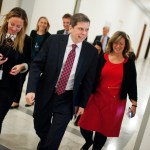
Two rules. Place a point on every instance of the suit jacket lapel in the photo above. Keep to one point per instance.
(61, 52)
(82, 59)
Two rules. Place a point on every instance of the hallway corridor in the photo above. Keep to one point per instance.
(18, 132)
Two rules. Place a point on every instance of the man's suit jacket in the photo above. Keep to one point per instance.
(98, 38)
(46, 67)
(60, 31)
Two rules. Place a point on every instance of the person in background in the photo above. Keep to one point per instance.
(64, 68)
(15, 56)
(98, 46)
(66, 23)
(38, 37)
(104, 38)
(116, 77)
(132, 54)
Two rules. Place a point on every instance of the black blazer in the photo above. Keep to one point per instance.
(60, 31)
(45, 70)
(98, 38)
(33, 34)
(11, 82)
(129, 84)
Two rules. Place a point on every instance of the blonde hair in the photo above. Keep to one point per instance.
(48, 24)
(19, 40)
(115, 38)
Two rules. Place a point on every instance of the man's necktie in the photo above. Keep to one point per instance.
(62, 82)
(66, 32)
(102, 40)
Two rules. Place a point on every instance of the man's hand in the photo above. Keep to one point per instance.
(30, 98)
(79, 111)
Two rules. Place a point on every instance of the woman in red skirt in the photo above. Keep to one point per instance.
(115, 79)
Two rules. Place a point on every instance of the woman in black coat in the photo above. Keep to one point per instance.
(38, 37)
(115, 80)
(15, 52)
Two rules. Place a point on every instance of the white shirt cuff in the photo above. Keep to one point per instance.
(25, 68)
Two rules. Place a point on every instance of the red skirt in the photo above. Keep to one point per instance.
(103, 116)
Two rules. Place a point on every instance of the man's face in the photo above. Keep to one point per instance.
(105, 31)
(66, 23)
(79, 32)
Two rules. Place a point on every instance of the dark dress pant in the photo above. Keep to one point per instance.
(6, 98)
(50, 125)
(22, 80)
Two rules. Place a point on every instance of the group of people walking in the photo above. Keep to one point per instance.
(67, 77)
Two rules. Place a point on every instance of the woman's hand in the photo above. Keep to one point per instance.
(16, 69)
(98, 48)
(133, 108)
(2, 59)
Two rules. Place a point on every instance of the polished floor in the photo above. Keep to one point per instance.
(18, 132)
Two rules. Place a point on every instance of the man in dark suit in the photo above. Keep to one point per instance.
(66, 23)
(102, 38)
(54, 109)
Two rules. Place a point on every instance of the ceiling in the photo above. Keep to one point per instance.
(144, 5)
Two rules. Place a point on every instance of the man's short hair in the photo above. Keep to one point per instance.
(67, 16)
(79, 17)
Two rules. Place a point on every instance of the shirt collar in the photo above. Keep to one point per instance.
(70, 42)
(11, 36)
